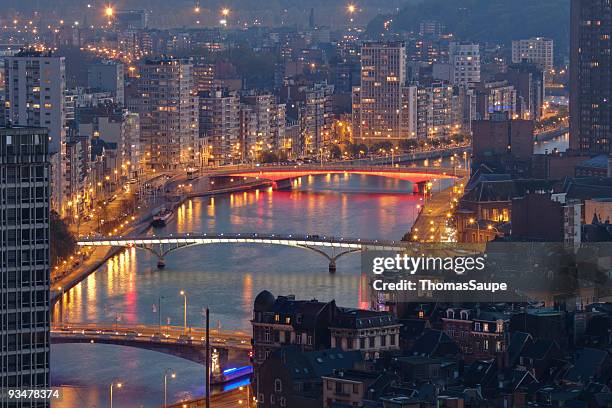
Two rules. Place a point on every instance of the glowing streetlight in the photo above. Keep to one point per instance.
(108, 11)
(118, 385)
(351, 8)
(172, 375)
(225, 12)
(184, 294)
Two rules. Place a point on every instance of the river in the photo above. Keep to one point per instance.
(225, 278)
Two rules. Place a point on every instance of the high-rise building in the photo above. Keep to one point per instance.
(465, 63)
(383, 76)
(262, 125)
(311, 105)
(537, 50)
(219, 126)
(107, 76)
(24, 250)
(591, 76)
(436, 116)
(168, 108)
(35, 84)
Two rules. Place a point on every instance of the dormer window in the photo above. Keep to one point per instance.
(464, 315)
(287, 320)
(277, 318)
(450, 313)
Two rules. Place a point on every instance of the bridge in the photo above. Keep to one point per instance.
(173, 340)
(160, 246)
(282, 176)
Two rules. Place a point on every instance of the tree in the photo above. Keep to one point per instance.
(63, 243)
(335, 152)
(268, 157)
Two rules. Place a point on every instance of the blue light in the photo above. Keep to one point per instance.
(237, 384)
(236, 369)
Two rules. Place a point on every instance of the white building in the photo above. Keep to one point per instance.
(262, 125)
(34, 96)
(537, 50)
(380, 97)
(168, 109)
(219, 126)
(465, 63)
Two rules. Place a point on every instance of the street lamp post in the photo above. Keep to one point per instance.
(172, 375)
(159, 312)
(248, 398)
(119, 385)
(473, 221)
(184, 295)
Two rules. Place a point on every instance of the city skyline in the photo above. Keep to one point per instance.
(326, 204)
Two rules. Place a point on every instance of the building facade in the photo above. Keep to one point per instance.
(538, 50)
(219, 126)
(590, 76)
(464, 59)
(35, 83)
(168, 109)
(380, 96)
(24, 251)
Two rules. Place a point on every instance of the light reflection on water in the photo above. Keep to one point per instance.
(225, 278)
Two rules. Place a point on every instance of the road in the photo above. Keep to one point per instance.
(432, 223)
(169, 334)
(235, 398)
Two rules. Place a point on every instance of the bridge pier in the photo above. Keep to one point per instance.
(161, 263)
(332, 266)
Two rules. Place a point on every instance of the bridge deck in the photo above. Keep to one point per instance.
(125, 334)
(274, 239)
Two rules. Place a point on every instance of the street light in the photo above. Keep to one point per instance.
(118, 385)
(184, 295)
(473, 221)
(172, 375)
(108, 11)
(248, 398)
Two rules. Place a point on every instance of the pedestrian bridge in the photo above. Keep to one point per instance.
(329, 247)
(173, 340)
(283, 176)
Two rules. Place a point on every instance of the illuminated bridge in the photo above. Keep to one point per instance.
(283, 176)
(331, 248)
(190, 345)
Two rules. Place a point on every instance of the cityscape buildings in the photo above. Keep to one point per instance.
(277, 147)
